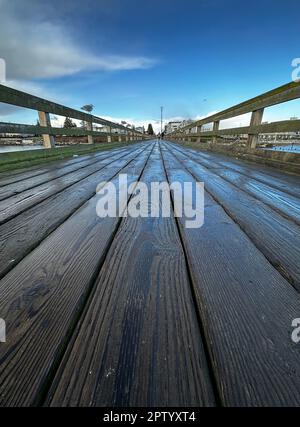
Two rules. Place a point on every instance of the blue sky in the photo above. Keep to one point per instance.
(128, 57)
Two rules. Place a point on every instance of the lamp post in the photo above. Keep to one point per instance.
(161, 120)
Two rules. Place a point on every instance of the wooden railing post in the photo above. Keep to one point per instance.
(199, 131)
(256, 119)
(109, 136)
(89, 126)
(215, 129)
(44, 120)
(256, 105)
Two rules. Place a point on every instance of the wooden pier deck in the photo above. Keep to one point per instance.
(144, 311)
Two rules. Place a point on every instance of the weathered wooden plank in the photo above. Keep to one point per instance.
(24, 232)
(31, 182)
(147, 350)
(246, 308)
(17, 175)
(42, 298)
(286, 204)
(275, 236)
(283, 181)
(19, 203)
(287, 183)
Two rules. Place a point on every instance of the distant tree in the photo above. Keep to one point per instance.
(88, 107)
(69, 123)
(150, 129)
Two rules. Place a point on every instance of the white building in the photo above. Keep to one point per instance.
(186, 123)
(173, 126)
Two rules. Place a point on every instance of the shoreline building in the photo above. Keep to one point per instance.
(174, 125)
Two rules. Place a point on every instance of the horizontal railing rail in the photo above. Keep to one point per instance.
(45, 108)
(17, 128)
(256, 106)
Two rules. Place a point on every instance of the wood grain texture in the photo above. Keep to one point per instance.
(17, 204)
(288, 183)
(275, 236)
(282, 202)
(42, 297)
(14, 188)
(144, 311)
(18, 175)
(246, 308)
(139, 343)
(20, 235)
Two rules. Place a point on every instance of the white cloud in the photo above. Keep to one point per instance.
(238, 121)
(37, 50)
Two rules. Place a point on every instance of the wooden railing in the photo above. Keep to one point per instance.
(255, 106)
(45, 108)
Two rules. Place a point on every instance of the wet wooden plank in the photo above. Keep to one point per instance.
(7, 178)
(14, 205)
(31, 182)
(284, 203)
(147, 350)
(290, 184)
(285, 182)
(42, 298)
(25, 231)
(18, 175)
(246, 308)
(275, 236)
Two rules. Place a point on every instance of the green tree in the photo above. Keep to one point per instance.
(89, 108)
(69, 123)
(150, 129)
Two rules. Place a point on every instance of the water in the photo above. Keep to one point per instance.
(289, 148)
(11, 148)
